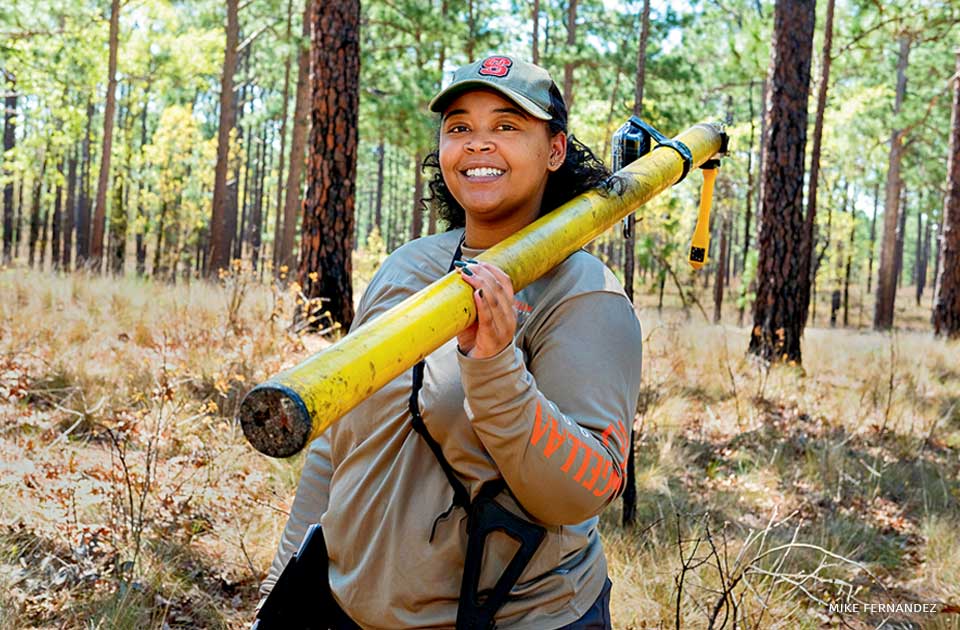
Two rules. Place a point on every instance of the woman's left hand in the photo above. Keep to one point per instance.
(496, 319)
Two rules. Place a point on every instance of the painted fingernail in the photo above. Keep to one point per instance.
(466, 271)
(459, 263)
(471, 260)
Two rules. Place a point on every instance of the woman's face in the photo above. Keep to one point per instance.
(495, 158)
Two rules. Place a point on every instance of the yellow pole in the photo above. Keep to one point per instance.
(282, 415)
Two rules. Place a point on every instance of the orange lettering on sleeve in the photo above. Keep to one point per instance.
(612, 483)
(539, 426)
(586, 460)
(602, 464)
(555, 438)
(573, 452)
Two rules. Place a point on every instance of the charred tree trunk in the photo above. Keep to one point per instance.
(9, 143)
(223, 224)
(748, 210)
(57, 221)
(718, 284)
(256, 218)
(378, 209)
(570, 65)
(778, 311)
(35, 212)
(887, 280)
(70, 213)
(535, 53)
(298, 141)
(901, 237)
(923, 249)
(873, 237)
(103, 181)
(417, 222)
(141, 237)
(325, 265)
(285, 97)
(83, 214)
(946, 309)
(805, 278)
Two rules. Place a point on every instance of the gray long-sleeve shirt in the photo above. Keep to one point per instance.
(550, 414)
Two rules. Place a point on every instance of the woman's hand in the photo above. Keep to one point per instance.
(496, 320)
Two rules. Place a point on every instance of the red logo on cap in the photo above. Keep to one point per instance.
(496, 66)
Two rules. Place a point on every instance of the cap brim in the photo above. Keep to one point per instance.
(441, 100)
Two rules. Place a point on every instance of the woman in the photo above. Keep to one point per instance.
(526, 413)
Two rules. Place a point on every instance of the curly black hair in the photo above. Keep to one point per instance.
(580, 172)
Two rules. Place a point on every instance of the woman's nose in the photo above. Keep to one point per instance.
(479, 145)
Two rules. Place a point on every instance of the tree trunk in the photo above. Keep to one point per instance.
(328, 217)
(57, 221)
(923, 247)
(946, 308)
(887, 280)
(70, 213)
(223, 224)
(242, 235)
(569, 66)
(806, 253)
(118, 226)
(256, 218)
(417, 222)
(873, 237)
(35, 212)
(851, 243)
(83, 210)
(901, 234)
(9, 143)
(278, 220)
(536, 32)
(778, 310)
(748, 210)
(718, 284)
(141, 237)
(103, 181)
(301, 125)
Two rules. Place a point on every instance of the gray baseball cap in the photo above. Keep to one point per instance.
(524, 83)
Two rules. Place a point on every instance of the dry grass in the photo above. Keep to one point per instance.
(130, 499)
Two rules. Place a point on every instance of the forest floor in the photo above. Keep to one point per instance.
(130, 499)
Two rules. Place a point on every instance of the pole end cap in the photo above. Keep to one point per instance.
(275, 420)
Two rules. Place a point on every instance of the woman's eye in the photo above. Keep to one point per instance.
(506, 127)
(457, 129)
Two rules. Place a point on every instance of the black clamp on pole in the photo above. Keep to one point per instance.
(662, 141)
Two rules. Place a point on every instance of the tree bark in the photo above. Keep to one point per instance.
(223, 224)
(873, 237)
(718, 284)
(887, 280)
(301, 124)
(946, 308)
(141, 237)
(569, 66)
(378, 209)
(924, 258)
(56, 223)
(9, 143)
(287, 63)
(535, 56)
(328, 217)
(83, 213)
(103, 181)
(901, 234)
(256, 218)
(805, 279)
(417, 222)
(35, 213)
(70, 213)
(778, 311)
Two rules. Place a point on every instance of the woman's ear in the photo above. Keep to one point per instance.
(558, 151)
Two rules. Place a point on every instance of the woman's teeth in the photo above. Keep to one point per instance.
(484, 172)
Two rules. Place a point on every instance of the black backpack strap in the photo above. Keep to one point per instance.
(485, 516)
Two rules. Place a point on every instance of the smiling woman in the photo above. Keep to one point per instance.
(517, 428)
